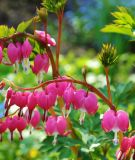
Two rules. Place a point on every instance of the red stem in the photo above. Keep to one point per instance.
(90, 87)
(60, 18)
(108, 83)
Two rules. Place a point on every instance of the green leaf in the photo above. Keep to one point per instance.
(66, 141)
(5, 31)
(23, 26)
(114, 28)
(54, 5)
(123, 23)
(93, 146)
(65, 153)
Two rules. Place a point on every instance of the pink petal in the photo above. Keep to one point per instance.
(61, 124)
(122, 120)
(108, 121)
(90, 103)
(51, 125)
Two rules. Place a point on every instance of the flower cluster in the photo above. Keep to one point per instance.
(18, 52)
(28, 102)
(46, 38)
(19, 123)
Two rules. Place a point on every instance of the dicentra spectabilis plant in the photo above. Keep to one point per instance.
(49, 104)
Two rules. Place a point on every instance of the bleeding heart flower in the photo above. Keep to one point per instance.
(115, 121)
(26, 51)
(32, 102)
(3, 127)
(41, 65)
(56, 126)
(35, 118)
(41, 35)
(46, 100)
(11, 124)
(86, 102)
(68, 96)
(21, 99)
(20, 125)
(14, 55)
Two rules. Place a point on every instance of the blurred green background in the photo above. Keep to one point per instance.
(81, 41)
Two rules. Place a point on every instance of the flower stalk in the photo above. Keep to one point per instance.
(108, 82)
(90, 87)
(60, 18)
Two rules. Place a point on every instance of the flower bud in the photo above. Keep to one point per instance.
(43, 14)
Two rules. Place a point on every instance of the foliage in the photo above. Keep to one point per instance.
(54, 5)
(23, 26)
(5, 31)
(124, 23)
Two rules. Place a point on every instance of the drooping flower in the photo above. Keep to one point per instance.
(11, 125)
(26, 51)
(19, 46)
(68, 96)
(21, 99)
(13, 55)
(35, 119)
(86, 102)
(41, 65)
(41, 36)
(58, 87)
(46, 100)
(20, 125)
(32, 102)
(3, 127)
(115, 121)
(56, 126)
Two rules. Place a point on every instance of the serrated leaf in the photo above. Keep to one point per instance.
(113, 28)
(23, 25)
(54, 5)
(123, 23)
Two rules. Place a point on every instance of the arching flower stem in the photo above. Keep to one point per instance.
(88, 86)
